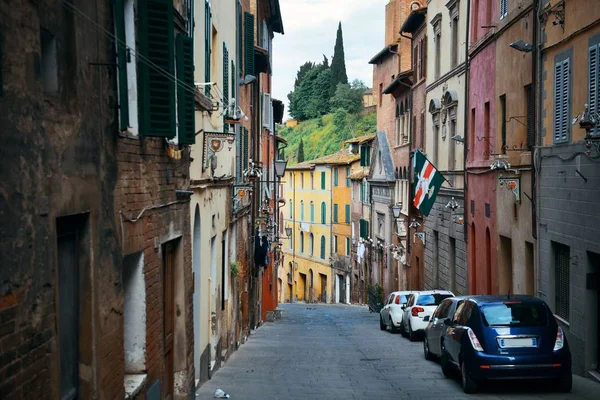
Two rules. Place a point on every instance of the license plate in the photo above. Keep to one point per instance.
(517, 342)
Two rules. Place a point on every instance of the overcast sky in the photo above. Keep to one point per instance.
(310, 28)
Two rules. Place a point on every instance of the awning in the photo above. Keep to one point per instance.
(387, 50)
(414, 21)
(402, 81)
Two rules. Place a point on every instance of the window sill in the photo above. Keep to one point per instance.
(133, 384)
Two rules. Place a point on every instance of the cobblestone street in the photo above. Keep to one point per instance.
(338, 352)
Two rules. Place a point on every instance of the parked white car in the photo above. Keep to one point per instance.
(418, 306)
(391, 313)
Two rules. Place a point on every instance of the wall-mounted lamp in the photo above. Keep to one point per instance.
(520, 45)
(288, 232)
(280, 166)
(247, 79)
(458, 138)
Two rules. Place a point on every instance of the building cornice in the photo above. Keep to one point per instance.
(460, 68)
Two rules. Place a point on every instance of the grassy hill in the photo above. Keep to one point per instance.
(323, 136)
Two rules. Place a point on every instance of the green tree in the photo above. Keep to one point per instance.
(338, 63)
(348, 98)
(300, 156)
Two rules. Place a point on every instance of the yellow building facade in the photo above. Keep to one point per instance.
(318, 211)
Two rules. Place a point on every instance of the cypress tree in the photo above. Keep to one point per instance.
(338, 63)
(300, 156)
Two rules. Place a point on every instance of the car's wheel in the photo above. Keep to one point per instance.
(382, 325)
(426, 352)
(469, 384)
(393, 328)
(412, 336)
(402, 329)
(566, 383)
(445, 363)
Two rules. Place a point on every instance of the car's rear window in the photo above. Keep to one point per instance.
(432, 299)
(514, 314)
(403, 299)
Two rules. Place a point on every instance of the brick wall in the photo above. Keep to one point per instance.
(438, 274)
(577, 229)
(57, 160)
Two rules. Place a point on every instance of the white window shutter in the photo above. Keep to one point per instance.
(265, 110)
(271, 119)
(558, 73)
(594, 72)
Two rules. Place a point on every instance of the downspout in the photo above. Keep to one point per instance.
(466, 136)
(410, 155)
(537, 139)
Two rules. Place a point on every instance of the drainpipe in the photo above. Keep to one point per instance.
(466, 136)
(410, 155)
(538, 48)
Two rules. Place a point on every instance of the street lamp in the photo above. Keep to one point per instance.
(288, 232)
(280, 166)
(396, 210)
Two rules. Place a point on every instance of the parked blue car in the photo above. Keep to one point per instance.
(505, 337)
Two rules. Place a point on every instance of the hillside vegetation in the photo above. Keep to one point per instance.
(324, 135)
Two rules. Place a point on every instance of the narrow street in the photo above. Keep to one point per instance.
(338, 352)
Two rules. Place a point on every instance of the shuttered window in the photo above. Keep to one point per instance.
(207, 46)
(322, 180)
(364, 228)
(245, 150)
(594, 82)
(248, 43)
(323, 247)
(323, 213)
(312, 212)
(503, 8)
(335, 177)
(121, 65)
(347, 213)
(562, 97)
(185, 89)
(291, 209)
(301, 210)
(225, 84)
(562, 270)
(347, 177)
(503, 122)
(361, 192)
(335, 213)
(157, 92)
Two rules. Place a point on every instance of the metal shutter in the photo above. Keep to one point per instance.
(562, 270)
(593, 97)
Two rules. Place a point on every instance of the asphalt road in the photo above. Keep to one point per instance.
(339, 352)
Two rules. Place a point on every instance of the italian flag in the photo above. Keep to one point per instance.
(427, 183)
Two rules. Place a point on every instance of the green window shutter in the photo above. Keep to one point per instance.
(347, 213)
(207, 46)
(121, 65)
(361, 225)
(245, 151)
(185, 94)
(335, 177)
(335, 213)
(362, 156)
(323, 213)
(347, 177)
(248, 43)
(225, 84)
(323, 247)
(312, 212)
(594, 82)
(156, 91)
(322, 180)
(232, 79)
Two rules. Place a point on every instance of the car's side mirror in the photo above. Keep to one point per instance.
(447, 321)
(426, 319)
(403, 307)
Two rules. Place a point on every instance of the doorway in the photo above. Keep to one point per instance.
(301, 289)
(168, 315)
(310, 286)
(506, 266)
(196, 261)
(323, 288)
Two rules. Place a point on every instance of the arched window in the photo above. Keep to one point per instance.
(312, 211)
(311, 244)
(301, 210)
(301, 242)
(323, 247)
(323, 213)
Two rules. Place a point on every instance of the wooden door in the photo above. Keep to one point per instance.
(168, 315)
(68, 318)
